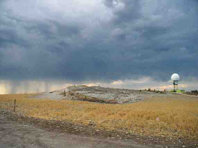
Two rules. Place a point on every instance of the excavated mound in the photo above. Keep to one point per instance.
(107, 95)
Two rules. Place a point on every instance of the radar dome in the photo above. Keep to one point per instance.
(175, 77)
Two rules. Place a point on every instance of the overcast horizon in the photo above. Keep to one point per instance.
(50, 44)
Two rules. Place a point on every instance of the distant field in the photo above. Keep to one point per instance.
(172, 117)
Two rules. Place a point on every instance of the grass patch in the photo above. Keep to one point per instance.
(162, 117)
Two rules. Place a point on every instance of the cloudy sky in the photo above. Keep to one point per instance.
(115, 42)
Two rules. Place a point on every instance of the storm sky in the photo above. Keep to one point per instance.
(98, 40)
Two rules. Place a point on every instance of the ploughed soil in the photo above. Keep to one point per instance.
(20, 131)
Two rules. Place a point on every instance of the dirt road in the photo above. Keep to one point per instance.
(14, 134)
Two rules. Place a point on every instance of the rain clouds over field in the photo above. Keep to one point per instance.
(112, 42)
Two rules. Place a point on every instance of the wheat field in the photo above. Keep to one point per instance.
(164, 117)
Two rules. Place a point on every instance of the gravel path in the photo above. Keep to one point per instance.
(48, 95)
(15, 135)
(54, 95)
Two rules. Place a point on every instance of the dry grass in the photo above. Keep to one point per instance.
(154, 117)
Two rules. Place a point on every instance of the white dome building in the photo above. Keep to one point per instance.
(175, 78)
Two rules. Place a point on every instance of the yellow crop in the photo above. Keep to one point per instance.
(155, 117)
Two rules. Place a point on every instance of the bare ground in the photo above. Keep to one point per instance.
(101, 94)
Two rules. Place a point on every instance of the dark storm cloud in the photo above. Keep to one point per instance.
(99, 40)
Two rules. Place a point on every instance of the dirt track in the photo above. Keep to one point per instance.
(14, 134)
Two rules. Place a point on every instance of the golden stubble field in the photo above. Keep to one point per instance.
(163, 117)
